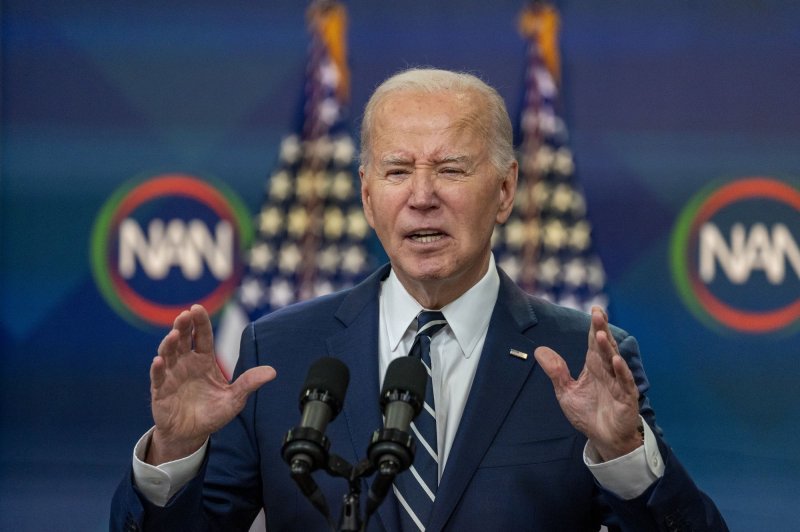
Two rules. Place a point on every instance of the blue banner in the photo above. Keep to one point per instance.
(684, 127)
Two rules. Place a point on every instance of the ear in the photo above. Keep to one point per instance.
(366, 199)
(508, 188)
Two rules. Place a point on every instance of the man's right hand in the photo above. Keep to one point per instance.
(190, 396)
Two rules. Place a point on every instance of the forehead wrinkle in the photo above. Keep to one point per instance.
(466, 121)
(471, 122)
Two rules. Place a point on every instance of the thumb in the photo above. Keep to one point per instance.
(252, 379)
(554, 366)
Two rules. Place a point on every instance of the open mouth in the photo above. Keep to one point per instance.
(426, 237)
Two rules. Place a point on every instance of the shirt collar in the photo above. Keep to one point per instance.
(468, 316)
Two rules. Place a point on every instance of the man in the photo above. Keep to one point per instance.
(438, 172)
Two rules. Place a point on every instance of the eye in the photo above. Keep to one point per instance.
(396, 174)
(451, 171)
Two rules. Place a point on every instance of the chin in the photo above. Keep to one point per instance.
(432, 273)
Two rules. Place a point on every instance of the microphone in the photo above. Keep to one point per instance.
(321, 401)
(305, 447)
(403, 392)
(392, 449)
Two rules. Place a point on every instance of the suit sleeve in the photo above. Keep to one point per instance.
(673, 503)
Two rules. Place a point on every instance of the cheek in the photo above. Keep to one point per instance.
(480, 225)
(381, 215)
(375, 202)
(368, 212)
(484, 211)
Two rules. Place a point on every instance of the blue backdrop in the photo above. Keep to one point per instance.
(661, 100)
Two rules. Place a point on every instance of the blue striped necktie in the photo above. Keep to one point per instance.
(416, 488)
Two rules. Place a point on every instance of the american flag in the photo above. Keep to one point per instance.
(312, 237)
(546, 245)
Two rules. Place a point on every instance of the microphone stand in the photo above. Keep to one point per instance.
(350, 519)
(390, 452)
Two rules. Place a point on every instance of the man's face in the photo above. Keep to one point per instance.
(431, 193)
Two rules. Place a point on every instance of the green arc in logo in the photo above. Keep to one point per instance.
(118, 295)
(695, 295)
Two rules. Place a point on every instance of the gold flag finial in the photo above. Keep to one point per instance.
(328, 20)
(539, 21)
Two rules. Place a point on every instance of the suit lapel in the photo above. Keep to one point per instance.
(498, 381)
(357, 346)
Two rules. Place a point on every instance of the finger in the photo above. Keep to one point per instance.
(607, 347)
(624, 376)
(599, 360)
(183, 324)
(598, 357)
(168, 343)
(157, 372)
(203, 333)
(252, 379)
(554, 366)
(600, 323)
(169, 349)
(595, 325)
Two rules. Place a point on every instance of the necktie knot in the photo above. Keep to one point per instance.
(429, 322)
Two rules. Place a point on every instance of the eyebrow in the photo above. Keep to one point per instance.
(458, 159)
(393, 159)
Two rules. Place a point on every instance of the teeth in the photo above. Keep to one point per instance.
(426, 237)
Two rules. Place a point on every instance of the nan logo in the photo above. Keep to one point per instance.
(735, 257)
(159, 245)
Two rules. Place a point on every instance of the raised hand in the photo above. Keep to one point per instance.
(603, 402)
(190, 396)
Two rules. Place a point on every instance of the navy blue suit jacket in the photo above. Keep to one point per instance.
(516, 462)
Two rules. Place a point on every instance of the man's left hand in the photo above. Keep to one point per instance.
(603, 402)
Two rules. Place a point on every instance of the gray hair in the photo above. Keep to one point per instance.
(496, 124)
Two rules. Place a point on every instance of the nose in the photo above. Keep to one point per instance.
(423, 190)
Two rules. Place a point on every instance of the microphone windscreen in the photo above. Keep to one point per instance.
(408, 374)
(328, 374)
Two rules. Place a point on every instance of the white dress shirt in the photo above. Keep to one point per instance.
(455, 353)
(455, 350)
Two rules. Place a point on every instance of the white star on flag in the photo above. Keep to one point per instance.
(546, 245)
(311, 210)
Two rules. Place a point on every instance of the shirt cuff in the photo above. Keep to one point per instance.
(159, 483)
(630, 475)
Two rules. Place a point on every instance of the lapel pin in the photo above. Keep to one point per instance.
(518, 354)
